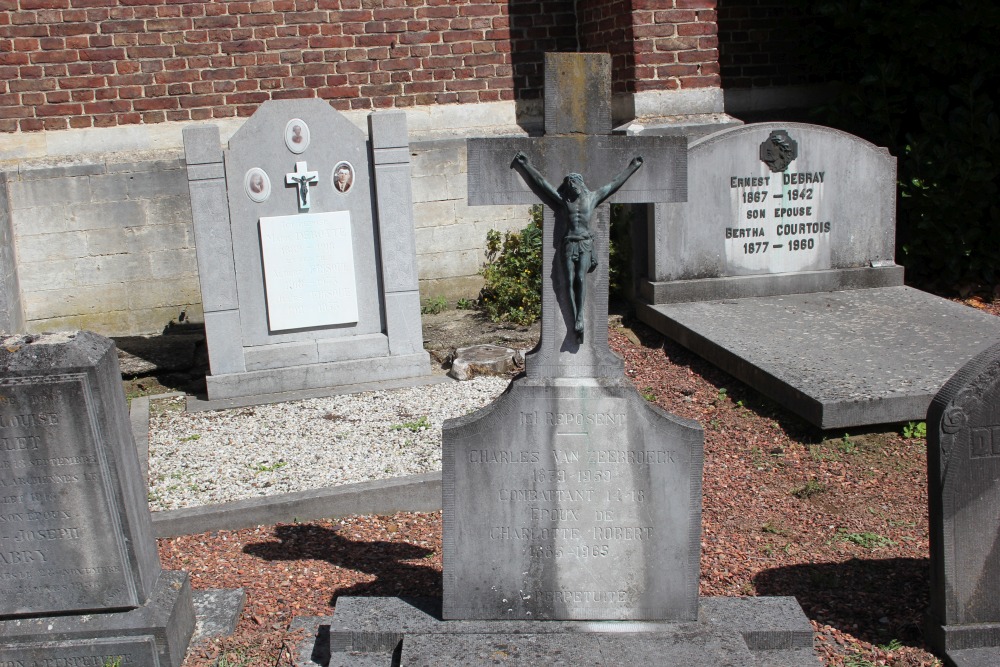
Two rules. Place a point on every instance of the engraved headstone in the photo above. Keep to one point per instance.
(306, 251)
(80, 576)
(789, 228)
(963, 467)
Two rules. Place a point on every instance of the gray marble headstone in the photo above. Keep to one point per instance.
(570, 497)
(963, 466)
(771, 209)
(306, 250)
(79, 570)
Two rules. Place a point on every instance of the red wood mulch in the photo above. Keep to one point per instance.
(839, 522)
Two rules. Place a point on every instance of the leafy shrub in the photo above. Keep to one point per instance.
(434, 305)
(922, 78)
(513, 273)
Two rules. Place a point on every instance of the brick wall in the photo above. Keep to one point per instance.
(99, 63)
(654, 44)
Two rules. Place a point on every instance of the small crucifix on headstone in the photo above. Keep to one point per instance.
(301, 178)
(577, 141)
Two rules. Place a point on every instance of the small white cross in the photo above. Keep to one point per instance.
(301, 179)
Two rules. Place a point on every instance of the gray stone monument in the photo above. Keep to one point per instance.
(572, 507)
(780, 269)
(80, 578)
(306, 251)
(963, 468)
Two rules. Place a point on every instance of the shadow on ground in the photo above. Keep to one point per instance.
(884, 599)
(386, 561)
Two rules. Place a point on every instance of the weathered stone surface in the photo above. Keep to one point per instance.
(485, 359)
(765, 632)
(77, 535)
(838, 359)
(963, 467)
(571, 500)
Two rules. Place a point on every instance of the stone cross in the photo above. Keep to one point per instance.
(301, 178)
(570, 497)
(577, 140)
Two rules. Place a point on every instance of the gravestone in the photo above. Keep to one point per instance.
(780, 269)
(572, 506)
(963, 468)
(306, 251)
(80, 578)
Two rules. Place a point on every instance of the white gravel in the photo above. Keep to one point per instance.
(212, 457)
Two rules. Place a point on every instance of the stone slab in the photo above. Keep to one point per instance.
(154, 634)
(974, 657)
(413, 493)
(571, 499)
(314, 376)
(195, 404)
(837, 359)
(76, 535)
(216, 612)
(367, 631)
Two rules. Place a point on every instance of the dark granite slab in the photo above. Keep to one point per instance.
(837, 359)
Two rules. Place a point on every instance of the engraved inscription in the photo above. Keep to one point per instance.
(985, 442)
(54, 505)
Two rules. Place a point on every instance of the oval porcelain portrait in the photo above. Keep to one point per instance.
(297, 135)
(343, 177)
(257, 185)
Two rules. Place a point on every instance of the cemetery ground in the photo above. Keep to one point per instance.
(838, 520)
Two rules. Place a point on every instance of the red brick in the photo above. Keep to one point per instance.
(245, 46)
(143, 104)
(689, 29)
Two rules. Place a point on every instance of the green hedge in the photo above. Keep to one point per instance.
(922, 78)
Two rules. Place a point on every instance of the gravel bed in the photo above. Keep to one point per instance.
(212, 457)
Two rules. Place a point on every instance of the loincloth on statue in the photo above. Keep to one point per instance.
(576, 245)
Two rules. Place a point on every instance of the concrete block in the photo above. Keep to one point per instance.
(387, 129)
(430, 214)
(50, 192)
(115, 323)
(102, 215)
(155, 184)
(161, 164)
(162, 293)
(106, 269)
(449, 264)
(61, 169)
(45, 247)
(352, 347)
(173, 263)
(110, 241)
(79, 300)
(280, 354)
(149, 238)
(41, 220)
(453, 237)
(202, 144)
(432, 188)
(436, 158)
(53, 274)
(11, 310)
(225, 342)
(109, 187)
(169, 210)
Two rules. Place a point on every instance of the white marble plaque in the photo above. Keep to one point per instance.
(309, 276)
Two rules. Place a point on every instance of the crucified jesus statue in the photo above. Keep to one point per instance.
(578, 203)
